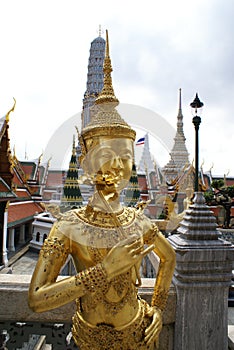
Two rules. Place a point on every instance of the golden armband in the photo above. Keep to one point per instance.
(54, 246)
(93, 279)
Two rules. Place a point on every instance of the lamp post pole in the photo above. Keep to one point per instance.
(196, 104)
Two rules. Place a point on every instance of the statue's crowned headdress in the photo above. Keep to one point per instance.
(105, 119)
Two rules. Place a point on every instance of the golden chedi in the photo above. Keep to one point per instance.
(107, 243)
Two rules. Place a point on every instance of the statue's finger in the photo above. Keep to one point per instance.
(135, 252)
(147, 250)
(134, 244)
(129, 240)
(150, 338)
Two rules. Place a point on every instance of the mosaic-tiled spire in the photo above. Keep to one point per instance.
(94, 78)
(132, 195)
(71, 192)
(179, 154)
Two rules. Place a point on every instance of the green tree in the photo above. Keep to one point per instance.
(209, 197)
(223, 196)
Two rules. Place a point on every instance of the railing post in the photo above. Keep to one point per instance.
(202, 277)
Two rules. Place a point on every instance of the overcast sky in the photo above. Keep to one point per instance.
(156, 48)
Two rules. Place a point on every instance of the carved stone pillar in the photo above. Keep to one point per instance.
(11, 244)
(4, 241)
(41, 237)
(34, 234)
(202, 277)
(22, 234)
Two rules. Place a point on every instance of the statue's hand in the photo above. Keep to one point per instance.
(154, 329)
(124, 255)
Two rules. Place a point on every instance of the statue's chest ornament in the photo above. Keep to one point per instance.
(99, 241)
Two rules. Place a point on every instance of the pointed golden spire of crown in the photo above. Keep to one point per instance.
(107, 94)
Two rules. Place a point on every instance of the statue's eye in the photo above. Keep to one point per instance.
(126, 155)
(107, 155)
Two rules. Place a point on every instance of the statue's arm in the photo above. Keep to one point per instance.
(45, 292)
(166, 269)
(163, 281)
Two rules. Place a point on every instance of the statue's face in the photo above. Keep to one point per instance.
(110, 161)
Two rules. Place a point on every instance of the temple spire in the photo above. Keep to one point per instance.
(180, 118)
(107, 94)
(94, 78)
(74, 146)
(146, 159)
(132, 194)
(179, 154)
(180, 108)
(71, 191)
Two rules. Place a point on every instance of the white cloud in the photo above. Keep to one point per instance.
(156, 47)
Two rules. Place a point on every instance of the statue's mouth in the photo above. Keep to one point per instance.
(110, 178)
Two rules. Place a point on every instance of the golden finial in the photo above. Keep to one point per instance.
(11, 110)
(202, 164)
(40, 158)
(48, 162)
(212, 165)
(107, 94)
(74, 146)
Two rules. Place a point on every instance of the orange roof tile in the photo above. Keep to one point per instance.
(3, 187)
(28, 168)
(16, 179)
(22, 211)
(23, 193)
(142, 183)
(55, 178)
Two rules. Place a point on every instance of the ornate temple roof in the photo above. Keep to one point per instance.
(6, 173)
(179, 154)
(22, 212)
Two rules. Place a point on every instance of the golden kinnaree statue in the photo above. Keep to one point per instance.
(107, 243)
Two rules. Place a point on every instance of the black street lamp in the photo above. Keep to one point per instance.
(196, 105)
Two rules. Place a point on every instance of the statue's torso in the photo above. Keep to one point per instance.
(91, 235)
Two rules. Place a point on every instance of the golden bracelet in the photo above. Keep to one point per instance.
(93, 279)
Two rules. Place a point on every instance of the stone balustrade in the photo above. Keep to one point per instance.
(19, 321)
